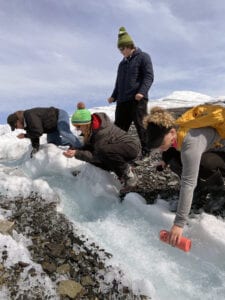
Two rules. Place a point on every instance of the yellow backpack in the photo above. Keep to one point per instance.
(201, 116)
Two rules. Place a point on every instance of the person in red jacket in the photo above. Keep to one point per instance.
(105, 145)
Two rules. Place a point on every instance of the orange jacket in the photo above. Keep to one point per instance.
(201, 116)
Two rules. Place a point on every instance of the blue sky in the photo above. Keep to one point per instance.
(60, 52)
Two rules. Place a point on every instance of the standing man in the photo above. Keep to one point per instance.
(134, 79)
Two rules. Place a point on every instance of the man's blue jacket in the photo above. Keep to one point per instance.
(135, 75)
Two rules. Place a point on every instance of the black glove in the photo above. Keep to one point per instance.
(34, 150)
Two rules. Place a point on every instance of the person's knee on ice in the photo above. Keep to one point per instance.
(120, 167)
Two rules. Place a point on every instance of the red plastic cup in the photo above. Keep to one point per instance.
(184, 244)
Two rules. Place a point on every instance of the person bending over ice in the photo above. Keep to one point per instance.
(197, 155)
(39, 120)
(105, 145)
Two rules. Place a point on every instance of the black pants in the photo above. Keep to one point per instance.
(210, 163)
(115, 157)
(133, 111)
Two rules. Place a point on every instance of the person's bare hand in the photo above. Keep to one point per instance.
(69, 153)
(175, 235)
(138, 97)
(110, 99)
(21, 136)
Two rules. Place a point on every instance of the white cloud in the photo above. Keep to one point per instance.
(59, 49)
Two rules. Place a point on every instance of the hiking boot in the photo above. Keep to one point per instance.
(130, 178)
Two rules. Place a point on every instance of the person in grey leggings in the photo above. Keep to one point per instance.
(199, 155)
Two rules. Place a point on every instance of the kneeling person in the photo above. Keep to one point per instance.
(105, 145)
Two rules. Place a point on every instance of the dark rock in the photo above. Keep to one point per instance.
(49, 267)
(23, 264)
(60, 250)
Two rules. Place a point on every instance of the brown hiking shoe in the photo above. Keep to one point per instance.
(130, 178)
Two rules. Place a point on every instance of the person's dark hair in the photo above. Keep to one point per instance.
(13, 118)
(131, 46)
(158, 123)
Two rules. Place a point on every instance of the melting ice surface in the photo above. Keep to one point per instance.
(128, 230)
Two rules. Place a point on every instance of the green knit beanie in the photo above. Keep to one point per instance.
(124, 39)
(82, 116)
